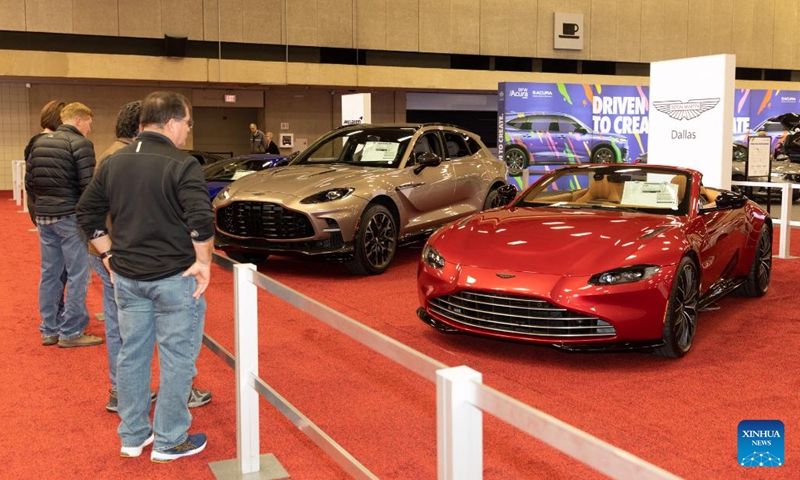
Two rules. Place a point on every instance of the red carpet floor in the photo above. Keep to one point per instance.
(680, 415)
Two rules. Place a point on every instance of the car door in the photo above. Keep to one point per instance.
(470, 187)
(426, 193)
(724, 235)
(546, 141)
(574, 140)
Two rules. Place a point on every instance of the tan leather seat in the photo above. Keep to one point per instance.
(680, 181)
(602, 190)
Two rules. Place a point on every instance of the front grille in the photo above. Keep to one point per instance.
(263, 220)
(517, 315)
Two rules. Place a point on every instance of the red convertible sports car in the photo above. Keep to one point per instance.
(597, 257)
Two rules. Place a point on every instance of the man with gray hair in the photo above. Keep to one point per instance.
(160, 259)
(271, 147)
(126, 130)
(59, 169)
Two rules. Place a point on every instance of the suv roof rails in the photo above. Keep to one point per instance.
(438, 124)
(347, 125)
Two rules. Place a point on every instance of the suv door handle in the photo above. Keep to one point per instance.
(408, 185)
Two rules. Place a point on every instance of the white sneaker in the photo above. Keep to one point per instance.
(136, 451)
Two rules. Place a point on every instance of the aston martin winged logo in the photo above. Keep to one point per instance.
(686, 110)
(505, 275)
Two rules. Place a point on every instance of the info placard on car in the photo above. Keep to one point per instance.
(758, 149)
(650, 194)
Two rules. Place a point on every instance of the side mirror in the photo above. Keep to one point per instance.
(581, 130)
(728, 200)
(427, 159)
(506, 194)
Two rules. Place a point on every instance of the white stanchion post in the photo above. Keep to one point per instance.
(786, 218)
(18, 179)
(246, 330)
(459, 425)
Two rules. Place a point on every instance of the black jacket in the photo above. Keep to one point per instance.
(59, 168)
(158, 202)
(272, 148)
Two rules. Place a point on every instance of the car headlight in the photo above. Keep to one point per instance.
(624, 275)
(432, 258)
(225, 193)
(328, 195)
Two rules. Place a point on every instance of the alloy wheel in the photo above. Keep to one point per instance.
(515, 159)
(764, 261)
(379, 240)
(686, 307)
(604, 155)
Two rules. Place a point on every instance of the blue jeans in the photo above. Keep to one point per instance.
(61, 247)
(163, 312)
(113, 340)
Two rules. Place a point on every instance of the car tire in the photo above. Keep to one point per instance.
(375, 242)
(758, 278)
(604, 154)
(492, 200)
(245, 257)
(680, 323)
(517, 159)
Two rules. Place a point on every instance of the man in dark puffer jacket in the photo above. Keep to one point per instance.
(59, 168)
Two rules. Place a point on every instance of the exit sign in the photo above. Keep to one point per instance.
(230, 98)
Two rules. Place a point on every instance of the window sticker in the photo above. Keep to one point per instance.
(241, 173)
(650, 194)
(380, 152)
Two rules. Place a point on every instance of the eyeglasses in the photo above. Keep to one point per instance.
(190, 123)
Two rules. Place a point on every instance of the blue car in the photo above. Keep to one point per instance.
(546, 138)
(220, 174)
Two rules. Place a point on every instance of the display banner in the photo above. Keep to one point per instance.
(691, 115)
(563, 123)
(741, 112)
(356, 108)
(621, 110)
(764, 107)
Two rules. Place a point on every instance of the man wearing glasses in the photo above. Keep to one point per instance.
(160, 262)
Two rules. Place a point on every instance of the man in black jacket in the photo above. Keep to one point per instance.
(160, 260)
(59, 168)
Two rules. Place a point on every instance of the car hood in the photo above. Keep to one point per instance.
(304, 180)
(789, 120)
(560, 241)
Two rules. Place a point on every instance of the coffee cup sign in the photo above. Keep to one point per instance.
(568, 31)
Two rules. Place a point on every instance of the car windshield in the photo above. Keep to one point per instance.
(624, 188)
(369, 147)
(230, 170)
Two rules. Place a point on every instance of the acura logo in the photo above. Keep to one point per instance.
(685, 110)
(505, 275)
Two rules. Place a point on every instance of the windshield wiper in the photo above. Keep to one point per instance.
(596, 206)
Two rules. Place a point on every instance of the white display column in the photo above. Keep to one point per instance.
(691, 115)
(356, 108)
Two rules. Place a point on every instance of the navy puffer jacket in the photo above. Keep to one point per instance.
(59, 169)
